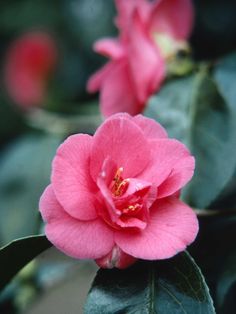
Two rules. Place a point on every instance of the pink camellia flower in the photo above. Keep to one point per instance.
(29, 62)
(114, 196)
(150, 32)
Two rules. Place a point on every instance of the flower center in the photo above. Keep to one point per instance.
(130, 204)
(131, 209)
(119, 185)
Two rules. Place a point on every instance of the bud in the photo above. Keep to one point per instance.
(116, 258)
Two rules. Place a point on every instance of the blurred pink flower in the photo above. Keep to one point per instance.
(150, 31)
(114, 196)
(29, 62)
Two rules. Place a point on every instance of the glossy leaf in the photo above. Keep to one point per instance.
(14, 256)
(224, 75)
(211, 141)
(170, 286)
(170, 107)
(194, 111)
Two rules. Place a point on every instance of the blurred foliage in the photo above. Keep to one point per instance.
(24, 173)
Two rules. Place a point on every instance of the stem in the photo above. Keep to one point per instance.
(214, 212)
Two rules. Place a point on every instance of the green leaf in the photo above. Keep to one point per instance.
(224, 76)
(14, 256)
(193, 110)
(170, 107)
(24, 174)
(170, 286)
(211, 141)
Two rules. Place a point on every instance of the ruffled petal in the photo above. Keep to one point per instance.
(78, 239)
(150, 127)
(122, 141)
(71, 180)
(171, 167)
(172, 226)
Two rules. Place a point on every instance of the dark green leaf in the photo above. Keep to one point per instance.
(170, 107)
(211, 141)
(170, 286)
(24, 173)
(193, 111)
(224, 75)
(14, 256)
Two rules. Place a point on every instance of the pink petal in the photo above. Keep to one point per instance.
(117, 93)
(175, 19)
(172, 226)
(150, 127)
(46, 206)
(122, 141)
(29, 92)
(146, 64)
(29, 62)
(116, 258)
(103, 180)
(109, 47)
(79, 239)
(71, 180)
(96, 80)
(171, 167)
(132, 222)
(125, 11)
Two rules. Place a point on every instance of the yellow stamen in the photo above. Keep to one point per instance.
(120, 185)
(131, 208)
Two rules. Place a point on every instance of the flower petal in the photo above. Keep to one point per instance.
(146, 64)
(175, 20)
(116, 258)
(78, 239)
(150, 127)
(71, 180)
(124, 142)
(97, 79)
(171, 167)
(117, 93)
(109, 47)
(125, 11)
(172, 226)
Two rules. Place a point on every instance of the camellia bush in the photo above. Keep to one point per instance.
(147, 189)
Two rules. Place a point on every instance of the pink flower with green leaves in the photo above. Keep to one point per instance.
(150, 32)
(114, 196)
